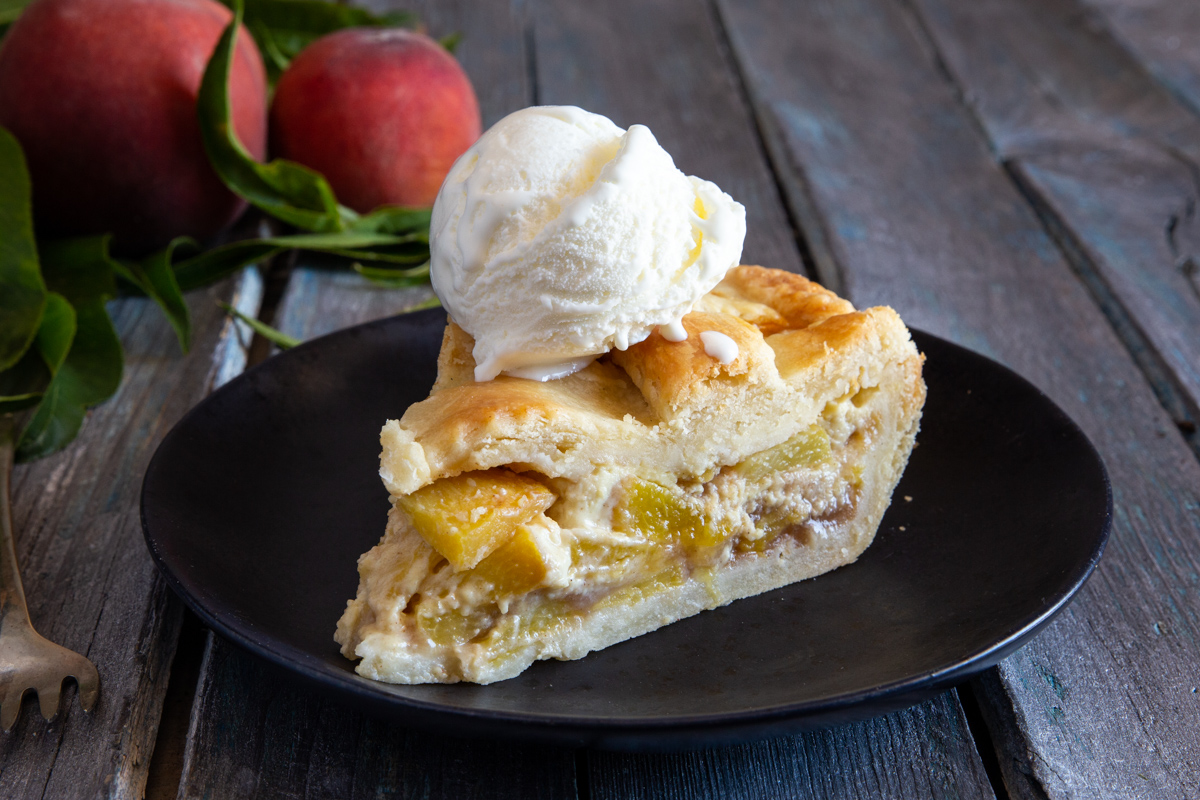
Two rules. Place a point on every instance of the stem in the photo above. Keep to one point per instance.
(12, 594)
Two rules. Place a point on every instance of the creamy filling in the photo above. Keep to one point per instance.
(616, 538)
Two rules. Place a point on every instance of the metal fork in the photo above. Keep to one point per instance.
(28, 661)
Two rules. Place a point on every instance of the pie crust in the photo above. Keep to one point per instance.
(546, 520)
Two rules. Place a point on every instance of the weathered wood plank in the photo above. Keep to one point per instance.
(90, 583)
(922, 752)
(1164, 35)
(253, 736)
(291, 743)
(1109, 155)
(708, 126)
(320, 301)
(666, 65)
(887, 162)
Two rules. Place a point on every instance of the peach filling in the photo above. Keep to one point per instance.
(491, 528)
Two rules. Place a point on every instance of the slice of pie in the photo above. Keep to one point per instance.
(546, 520)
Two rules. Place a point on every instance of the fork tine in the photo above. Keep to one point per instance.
(87, 682)
(48, 696)
(10, 708)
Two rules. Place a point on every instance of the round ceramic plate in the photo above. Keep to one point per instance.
(259, 502)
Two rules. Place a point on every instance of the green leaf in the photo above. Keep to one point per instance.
(273, 335)
(79, 269)
(396, 220)
(451, 42)
(22, 385)
(274, 57)
(22, 291)
(347, 240)
(89, 375)
(383, 256)
(156, 278)
(395, 278)
(11, 9)
(57, 332)
(13, 403)
(287, 191)
(212, 265)
(221, 261)
(84, 266)
(283, 28)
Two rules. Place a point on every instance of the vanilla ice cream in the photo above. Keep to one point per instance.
(559, 236)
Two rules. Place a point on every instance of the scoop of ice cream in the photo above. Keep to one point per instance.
(559, 236)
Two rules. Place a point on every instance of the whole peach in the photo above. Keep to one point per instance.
(382, 113)
(102, 96)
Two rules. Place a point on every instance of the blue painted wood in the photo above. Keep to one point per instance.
(614, 58)
(1109, 156)
(89, 580)
(884, 161)
(319, 301)
(586, 55)
(255, 736)
(925, 751)
(666, 65)
(1164, 36)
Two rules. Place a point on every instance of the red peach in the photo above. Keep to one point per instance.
(101, 95)
(382, 113)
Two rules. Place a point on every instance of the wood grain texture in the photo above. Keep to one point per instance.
(319, 301)
(255, 736)
(1111, 158)
(614, 58)
(707, 124)
(926, 751)
(919, 214)
(665, 65)
(1164, 35)
(263, 738)
(90, 582)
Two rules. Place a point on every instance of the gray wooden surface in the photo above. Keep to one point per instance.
(1162, 35)
(1019, 176)
(1107, 156)
(925, 751)
(628, 86)
(919, 211)
(87, 575)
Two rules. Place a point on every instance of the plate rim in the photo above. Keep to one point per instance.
(621, 732)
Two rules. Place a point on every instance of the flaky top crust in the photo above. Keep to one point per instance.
(659, 406)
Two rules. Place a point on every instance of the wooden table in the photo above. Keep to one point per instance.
(1020, 176)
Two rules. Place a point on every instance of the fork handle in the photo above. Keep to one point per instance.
(13, 610)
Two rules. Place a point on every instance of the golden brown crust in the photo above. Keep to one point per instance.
(675, 375)
(673, 393)
(806, 360)
(456, 366)
(798, 300)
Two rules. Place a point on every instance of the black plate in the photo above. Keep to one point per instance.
(257, 505)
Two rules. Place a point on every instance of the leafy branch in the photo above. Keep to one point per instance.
(284, 189)
(9, 11)
(273, 335)
(282, 28)
(58, 349)
(59, 352)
